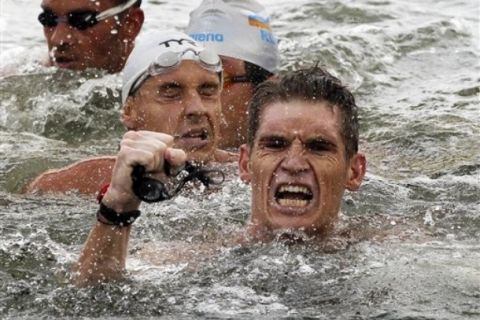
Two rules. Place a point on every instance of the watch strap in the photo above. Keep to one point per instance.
(109, 216)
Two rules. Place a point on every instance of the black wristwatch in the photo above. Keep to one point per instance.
(109, 216)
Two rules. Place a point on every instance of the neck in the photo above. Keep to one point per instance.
(261, 233)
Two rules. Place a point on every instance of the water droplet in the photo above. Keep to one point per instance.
(428, 218)
(114, 31)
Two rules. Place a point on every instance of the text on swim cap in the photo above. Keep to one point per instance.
(207, 37)
(265, 36)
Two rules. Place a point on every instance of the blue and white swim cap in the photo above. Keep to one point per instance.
(236, 28)
(155, 45)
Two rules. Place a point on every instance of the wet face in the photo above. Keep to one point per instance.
(185, 103)
(105, 45)
(235, 99)
(298, 168)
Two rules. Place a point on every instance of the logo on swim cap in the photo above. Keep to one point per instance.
(267, 36)
(207, 37)
(259, 22)
(177, 41)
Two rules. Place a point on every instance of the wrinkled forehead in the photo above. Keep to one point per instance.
(300, 118)
(65, 6)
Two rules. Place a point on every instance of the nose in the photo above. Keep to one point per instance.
(295, 160)
(194, 106)
(61, 35)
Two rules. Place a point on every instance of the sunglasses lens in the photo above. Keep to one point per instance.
(79, 20)
(82, 20)
(47, 19)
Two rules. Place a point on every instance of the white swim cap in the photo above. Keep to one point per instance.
(164, 50)
(236, 28)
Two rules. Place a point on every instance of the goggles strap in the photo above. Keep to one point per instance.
(115, 10)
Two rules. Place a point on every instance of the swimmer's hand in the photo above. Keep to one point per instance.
(151, 150)
(151, 190)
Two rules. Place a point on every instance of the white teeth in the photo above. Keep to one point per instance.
(294, 189)
(197, 135)
(293, 202)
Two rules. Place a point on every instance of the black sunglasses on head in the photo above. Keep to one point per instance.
(81, 19)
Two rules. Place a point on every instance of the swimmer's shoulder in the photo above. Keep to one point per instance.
(85, 177)
(223, 156)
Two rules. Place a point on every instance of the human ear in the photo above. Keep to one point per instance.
(129, 115)
(356, 171)
(243, 164)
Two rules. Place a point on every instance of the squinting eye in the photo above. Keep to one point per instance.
(318, 145)
(209, 91)
(169, 92)
(276, 143)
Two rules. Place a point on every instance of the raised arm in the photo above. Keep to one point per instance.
(104, 254)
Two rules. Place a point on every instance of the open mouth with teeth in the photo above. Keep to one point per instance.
(295, 196)
(197, 134)
(202, 135)
(194, 139)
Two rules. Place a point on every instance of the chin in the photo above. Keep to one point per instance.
(305, 223)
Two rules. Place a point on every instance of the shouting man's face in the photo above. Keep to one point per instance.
(298, 167)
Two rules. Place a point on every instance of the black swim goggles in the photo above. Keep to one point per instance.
(152, 190)
(82, 19)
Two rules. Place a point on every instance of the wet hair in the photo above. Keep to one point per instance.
(256, 74)
(312, 85)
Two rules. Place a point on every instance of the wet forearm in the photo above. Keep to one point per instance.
(104, 255)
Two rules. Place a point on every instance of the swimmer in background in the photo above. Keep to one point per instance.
(170, 85)
(301, 155)
(240, 32)
(83, 34)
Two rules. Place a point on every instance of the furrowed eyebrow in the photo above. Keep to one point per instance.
(168, 85)
(273, 141)
(320, 139)
(320, 142)
(210, 84)
(271, 137)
